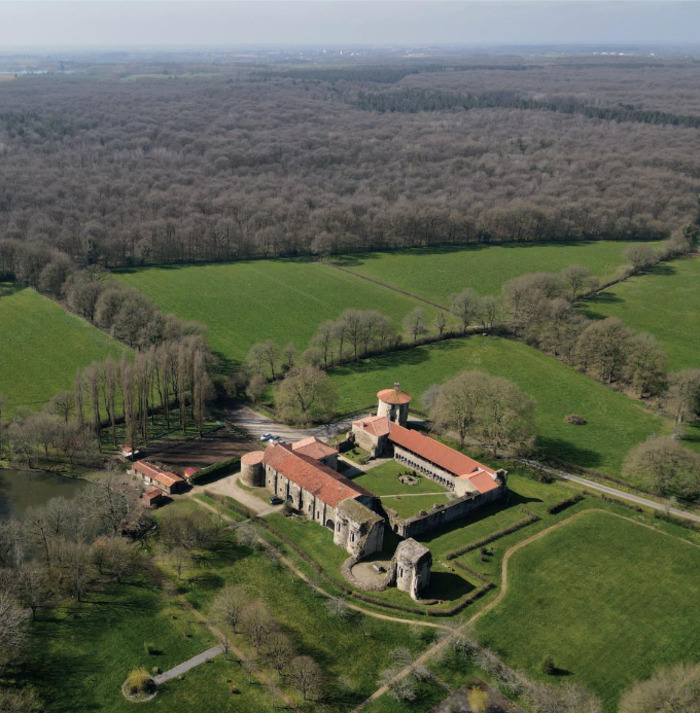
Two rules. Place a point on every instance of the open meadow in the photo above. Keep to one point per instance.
(248, 302)
(591, 590)
(615, 423)
(436, 273)
(665, 303)
(42, 346)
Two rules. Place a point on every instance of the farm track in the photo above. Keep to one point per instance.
(435, 305)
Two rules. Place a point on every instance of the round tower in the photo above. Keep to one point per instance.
(252, 473)
(393, 404)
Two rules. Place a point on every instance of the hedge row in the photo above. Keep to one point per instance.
(563, 504)
(215, 468)
(455, 609)
(493, 536)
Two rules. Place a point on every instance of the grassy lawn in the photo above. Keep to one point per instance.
(435, 273)
(410, 505)
(248, 302)
(593, 590)
(384, 480)
(665, 303)
(82, 652)
(351, 651)
(42, 347)
(615, 422)
(523, 493)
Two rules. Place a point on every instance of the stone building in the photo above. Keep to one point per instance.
(318, 491)
(413, 563)
(152, 474)
(358, 529)
(393, 404)
(385, 435)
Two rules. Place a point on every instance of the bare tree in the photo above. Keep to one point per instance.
(666, 467)
(683, 399)
(63, 404)
(465, 306)
(228, 604)
(671, 688)
(440, 321)
(257, 623)
(458, 402)
(280, 650)
(415, 323)
(305, 394)
(14, 627)
(307, 675)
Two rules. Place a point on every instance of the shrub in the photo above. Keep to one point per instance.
(139, 682)
(547, 666)
(574, 419)
(156, 670)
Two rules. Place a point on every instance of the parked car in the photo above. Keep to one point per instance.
(265, 436)
(274, 500)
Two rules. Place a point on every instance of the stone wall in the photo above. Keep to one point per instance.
(442, 515)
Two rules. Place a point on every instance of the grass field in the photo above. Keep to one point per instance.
(84, 651)
(42, 347)
(435, 273)
(354, 649)
(665, 303)
(615, 422)
(248, 302)
(408, 506)
(608, 599)
(383, 480)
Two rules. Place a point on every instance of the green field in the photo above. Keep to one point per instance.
(82, 652)
(435, 273)
(42, 347)
(665, 303)
(383, 480)
(408, 506)
(248, 302)
(615, 422)
(608, 599)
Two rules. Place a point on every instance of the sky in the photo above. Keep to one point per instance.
(110, 23)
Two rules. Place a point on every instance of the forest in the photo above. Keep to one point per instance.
(263, 162)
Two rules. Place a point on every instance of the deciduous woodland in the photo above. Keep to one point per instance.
(267, 162)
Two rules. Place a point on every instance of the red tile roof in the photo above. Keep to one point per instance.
(155, 473)
(376, 425)
(252, 458)
(454, 462)
(314, 477)
(314, 448)
(393, 396)
(483, 482)
(153, 494)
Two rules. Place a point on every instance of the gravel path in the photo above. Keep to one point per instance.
(620, 494)
(197, 660)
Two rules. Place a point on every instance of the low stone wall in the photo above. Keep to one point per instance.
(442, 515)
(385, 583)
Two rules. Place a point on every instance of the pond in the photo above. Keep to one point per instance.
(20, 489)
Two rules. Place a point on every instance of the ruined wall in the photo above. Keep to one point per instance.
(442, 515)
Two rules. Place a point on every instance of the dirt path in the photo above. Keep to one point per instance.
(302, 575)
(229, 486)
(429, 653)
(435, 305)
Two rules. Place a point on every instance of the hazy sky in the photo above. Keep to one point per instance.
(229, 22)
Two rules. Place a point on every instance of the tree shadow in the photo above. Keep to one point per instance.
(10, 288)
(567, 452)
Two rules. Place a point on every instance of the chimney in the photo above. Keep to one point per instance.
(397, 387)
